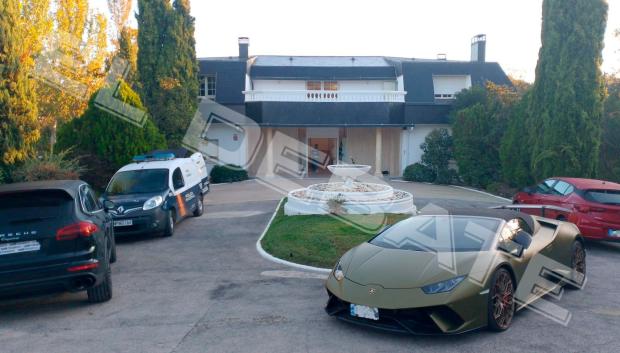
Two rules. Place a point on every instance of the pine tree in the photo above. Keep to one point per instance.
(567, 99)
(19, 130)
(167, 65)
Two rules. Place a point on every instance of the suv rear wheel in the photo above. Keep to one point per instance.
(103, 291)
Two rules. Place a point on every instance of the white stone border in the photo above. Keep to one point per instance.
(272, 258)
(482, 192)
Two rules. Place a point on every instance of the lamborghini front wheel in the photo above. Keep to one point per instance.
(501, 300)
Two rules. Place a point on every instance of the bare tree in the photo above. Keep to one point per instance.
(120, 10)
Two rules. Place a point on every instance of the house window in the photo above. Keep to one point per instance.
(207, 86)
(313, 85)
(330, 85)
(446, 87)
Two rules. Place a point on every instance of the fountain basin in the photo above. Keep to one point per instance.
(299, 203)
(350, 196)
(349, 170)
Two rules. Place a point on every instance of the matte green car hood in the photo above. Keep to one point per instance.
(399, 269)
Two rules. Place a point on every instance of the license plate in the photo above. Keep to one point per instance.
(614, 233)
(16, 248)
(123, 223)
(365, 312)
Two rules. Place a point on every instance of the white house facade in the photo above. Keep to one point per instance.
(307, 112)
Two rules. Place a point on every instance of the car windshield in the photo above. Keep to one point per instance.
(607, 197)
(138, 182)
(439, 234)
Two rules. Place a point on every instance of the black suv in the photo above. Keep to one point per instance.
(55, 236)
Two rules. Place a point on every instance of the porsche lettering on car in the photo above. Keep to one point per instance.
(451, 273)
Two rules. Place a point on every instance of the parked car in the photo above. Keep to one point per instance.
(55, 235)
(156, 191)
(593, 205)
(398, 282)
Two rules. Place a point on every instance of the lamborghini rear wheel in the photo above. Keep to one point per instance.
(501, 301)
(578, 262)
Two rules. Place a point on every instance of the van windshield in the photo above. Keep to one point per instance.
(145, 181)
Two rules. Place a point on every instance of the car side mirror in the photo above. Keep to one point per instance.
(108, 205)
(524, 239)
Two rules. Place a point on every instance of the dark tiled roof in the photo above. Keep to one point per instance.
(418, 76)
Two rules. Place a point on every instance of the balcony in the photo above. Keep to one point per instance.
(326, 96)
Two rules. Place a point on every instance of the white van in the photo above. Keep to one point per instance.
(156, 191)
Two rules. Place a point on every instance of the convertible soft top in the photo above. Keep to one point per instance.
(504, 214)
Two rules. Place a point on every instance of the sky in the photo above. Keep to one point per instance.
(404, 28)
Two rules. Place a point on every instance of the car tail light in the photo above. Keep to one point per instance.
(86, 267)
(74, 231)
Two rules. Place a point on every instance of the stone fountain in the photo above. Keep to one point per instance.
(355, 197)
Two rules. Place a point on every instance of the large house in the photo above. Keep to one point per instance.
(371, 110)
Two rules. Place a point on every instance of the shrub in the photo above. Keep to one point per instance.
(105, 141)
(438, 151)
(229, 173)
(336, 205)
(478, 127)
(49, 167)
(419, 172)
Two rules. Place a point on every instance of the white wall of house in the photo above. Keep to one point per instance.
(279, 85)
(410, 142)
(450, 85)
(226, 144)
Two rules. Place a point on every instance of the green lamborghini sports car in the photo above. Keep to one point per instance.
(455, 271)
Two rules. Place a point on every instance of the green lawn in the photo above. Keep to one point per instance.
(321, 240)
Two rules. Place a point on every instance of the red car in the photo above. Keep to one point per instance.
(593, 205)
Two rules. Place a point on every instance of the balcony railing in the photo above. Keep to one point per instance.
(325, 96)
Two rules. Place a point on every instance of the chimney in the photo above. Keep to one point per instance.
(479, 48)
(244, 44)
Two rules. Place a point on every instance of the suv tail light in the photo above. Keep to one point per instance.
(74, 231)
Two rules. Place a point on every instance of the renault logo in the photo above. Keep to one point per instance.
(372, 291)
(120, 210)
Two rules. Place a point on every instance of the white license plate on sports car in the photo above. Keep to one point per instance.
(123, 223)
(16, 248)
(365, 312)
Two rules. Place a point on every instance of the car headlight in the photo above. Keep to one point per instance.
(153, 202)
(442, 287)
(338, 272)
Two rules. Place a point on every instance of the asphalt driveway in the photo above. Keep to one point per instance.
(207, 290)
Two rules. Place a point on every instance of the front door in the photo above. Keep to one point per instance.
(322, 151)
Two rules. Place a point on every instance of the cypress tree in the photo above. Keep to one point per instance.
(567, 99)
(167, 64)
(19, 130)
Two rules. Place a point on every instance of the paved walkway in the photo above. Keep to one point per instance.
(207, 290)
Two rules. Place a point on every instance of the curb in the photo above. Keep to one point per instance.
(274, 259)
(481, 192)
